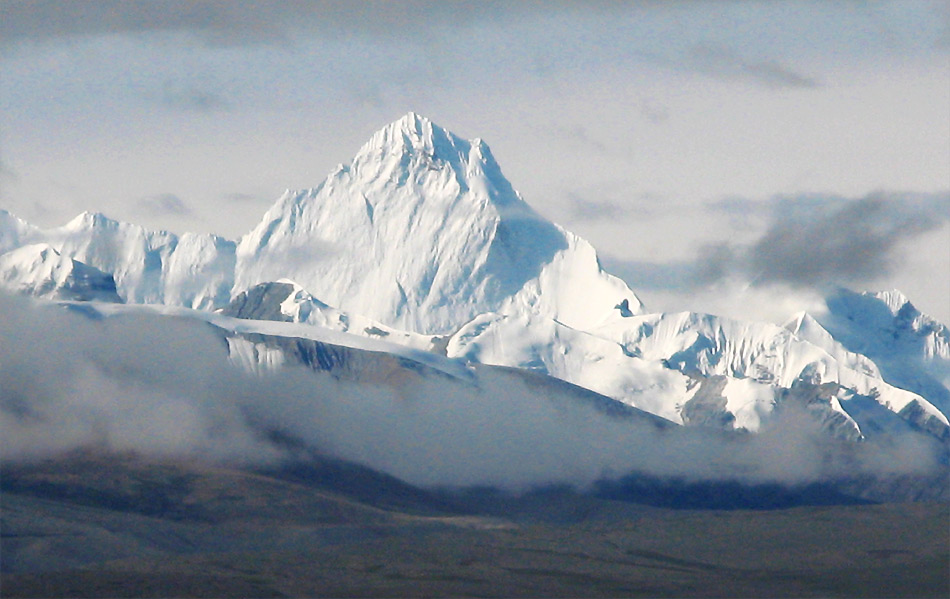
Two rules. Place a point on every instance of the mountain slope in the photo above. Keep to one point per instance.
(14, 231)
(695, 369)
(286, 301)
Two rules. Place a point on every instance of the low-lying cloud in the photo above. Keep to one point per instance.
(164, 386)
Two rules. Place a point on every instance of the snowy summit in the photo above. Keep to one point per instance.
(422, 231)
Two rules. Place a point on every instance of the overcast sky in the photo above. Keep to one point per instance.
(733, 157)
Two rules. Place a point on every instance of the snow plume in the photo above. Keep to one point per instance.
(163, 386)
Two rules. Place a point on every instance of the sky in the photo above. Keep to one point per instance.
(741, 158)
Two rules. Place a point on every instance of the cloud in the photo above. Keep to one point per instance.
(245, 198)
(840, 240)
(653, 111)
(647, 276)
(127, 384)
(614, 202)
(806, 242)
(817, 240)
(214, 21)
(8, 173)
(711, 265)
(578, 134)
(583, 209)
(239, 22)
(191, 97)
(725, 63)
(941, 13)
(166, 204)
(163, 386)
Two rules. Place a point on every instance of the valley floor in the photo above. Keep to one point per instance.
(146, 530)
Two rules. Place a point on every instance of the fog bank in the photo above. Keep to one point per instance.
(162, 386)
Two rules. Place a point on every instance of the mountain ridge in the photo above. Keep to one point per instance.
(421, 240)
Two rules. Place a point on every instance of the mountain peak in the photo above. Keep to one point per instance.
(412, 120)
(412, 124)
(434, 234)
(88, 220)
(415, 134)
(894, 299)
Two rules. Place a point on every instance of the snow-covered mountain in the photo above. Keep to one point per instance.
(420, 241)
(421, 231)
(14, 232)
(696, 368)
(149, 267)
(888, 337)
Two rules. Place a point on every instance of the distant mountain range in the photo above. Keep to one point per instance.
(421, 245)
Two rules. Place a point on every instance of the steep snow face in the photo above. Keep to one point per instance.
(911, 349)
(153, 267)
(40, 270)
(286, 301)
(885, 322)
(133, 255)
(806, 328)
(421, 231)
